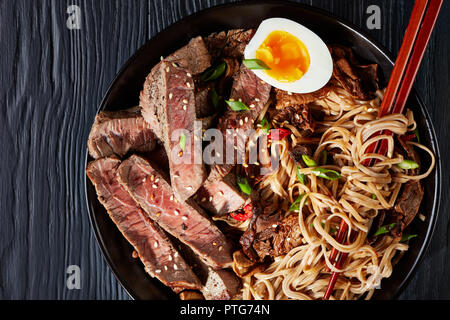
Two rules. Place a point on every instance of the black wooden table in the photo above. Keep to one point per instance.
(52, 79)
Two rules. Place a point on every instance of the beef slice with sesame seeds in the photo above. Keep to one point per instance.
(217, 284)
(254, 93)
(153, 246)
(118, 132)
(183, 220)
(229, 43)
(168, 105)
(194, 56)
(221, 196)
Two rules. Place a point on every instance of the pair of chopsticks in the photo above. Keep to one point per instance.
(415, 41)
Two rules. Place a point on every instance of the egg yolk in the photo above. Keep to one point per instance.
(287, 57)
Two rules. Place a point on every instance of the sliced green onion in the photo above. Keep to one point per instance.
(385, 229)
(326, 174)
(408, 164)
(296, 205)
(300, 176)
(215, 98)
(243, 185)
(374, 197)
(182, 141)
(237, 105)
(265, 125)
(309, 161)
(416, 132)
(255, 64)
(213, 73)
(406, 237)
(324, 157)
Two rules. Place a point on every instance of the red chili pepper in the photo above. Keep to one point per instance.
(278, 134)
(409, 137)
(248, 213)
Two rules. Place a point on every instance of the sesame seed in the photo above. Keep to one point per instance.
(173, 64)
(180, 154)
(251, 106)
(170, 257)
(210, 198)
(220, 248)
(167, 69)
(257, 100)
(158, 214)
(235, 147)
(171, 197)
(189, 75)
(297, 117)
(231, 99)
(170, 95)
(155, 244)
(185, 101)
(152, 177)
(157, 180)
(241, 122)
(214, 244)
(184, 218)
(165, 268)
(257, 163)
(203, 199)
(158, 271)
(220, 192)
(184, 107)
(176, 212)
(245, 165)
(188, 84)
(155, 186)
(274, 226)
(189, 188)
(246, 119)
(176, 254)
(175, 267)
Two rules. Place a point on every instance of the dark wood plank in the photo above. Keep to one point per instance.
(51, 84)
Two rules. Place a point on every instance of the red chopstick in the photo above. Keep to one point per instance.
(397, 92)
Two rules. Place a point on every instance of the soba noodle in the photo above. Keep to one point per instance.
(356, 198)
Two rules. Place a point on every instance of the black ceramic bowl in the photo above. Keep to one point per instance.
(124, 93)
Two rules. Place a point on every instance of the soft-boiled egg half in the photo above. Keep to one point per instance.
(299, 60)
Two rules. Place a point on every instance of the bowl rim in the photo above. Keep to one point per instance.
(344, 23)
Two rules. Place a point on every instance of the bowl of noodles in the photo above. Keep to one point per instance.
(285, 237)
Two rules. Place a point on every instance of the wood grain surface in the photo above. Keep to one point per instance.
(52, 80)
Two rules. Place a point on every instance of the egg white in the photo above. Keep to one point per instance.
(321, 66)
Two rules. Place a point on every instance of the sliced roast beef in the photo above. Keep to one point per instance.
(159, 256)
(219, 284)
(360, 80)
(183, 220)
(229, 44)
(168, 104)
(118, 132)
(254, 93)
(221, 196)
(194, 56)
(408, 203)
